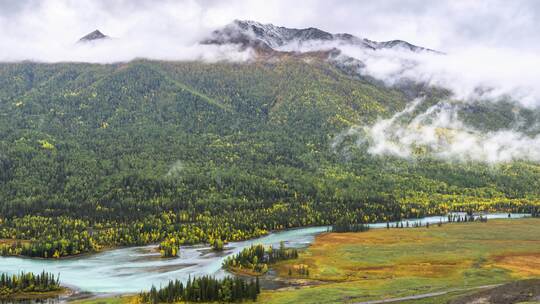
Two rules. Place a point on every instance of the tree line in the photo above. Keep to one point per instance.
(54, 237)
(204, 289)
(28, 282)
(349, 225)
(256, 258)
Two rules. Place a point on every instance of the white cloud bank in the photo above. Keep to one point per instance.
(486, 74)
(45, 30)
(48, 30)
(498, 72)
(472, 75)
(438, 132)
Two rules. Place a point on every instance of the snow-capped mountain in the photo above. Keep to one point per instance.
(271, 37)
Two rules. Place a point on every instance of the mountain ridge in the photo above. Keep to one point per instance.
(267, 37)
(268, 40)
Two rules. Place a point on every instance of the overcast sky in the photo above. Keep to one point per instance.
(444, 25)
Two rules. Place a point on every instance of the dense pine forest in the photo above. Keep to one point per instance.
(93, 156)
(204, 289)
(256, 258)
(27, 282)
(345, 224)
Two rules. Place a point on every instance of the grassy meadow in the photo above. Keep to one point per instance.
(120, 299)
(392, 263)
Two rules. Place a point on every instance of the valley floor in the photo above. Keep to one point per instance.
(394, 263)
(449, 263)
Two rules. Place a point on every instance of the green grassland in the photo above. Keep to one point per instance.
(34, 295)
(121, 299)
(399, 262)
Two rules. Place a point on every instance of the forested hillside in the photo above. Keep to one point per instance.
(134, 153)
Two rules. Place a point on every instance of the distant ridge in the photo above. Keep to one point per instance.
(268, 37)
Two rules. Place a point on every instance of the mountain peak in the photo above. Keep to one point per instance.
(271, 37)
(95, 35)
(268, 34)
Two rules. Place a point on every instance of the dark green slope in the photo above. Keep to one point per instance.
(232, 149)
(288, 90)
(139, 119)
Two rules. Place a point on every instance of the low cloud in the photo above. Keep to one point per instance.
(47, 31)
(438, 132)
(471, 74)
(486, 75)
(478, 74)
(124, 49)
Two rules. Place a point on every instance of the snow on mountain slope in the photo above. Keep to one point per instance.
(269, 36)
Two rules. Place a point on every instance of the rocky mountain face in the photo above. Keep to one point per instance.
(272, 39)
(95, 35)
(268, 37)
